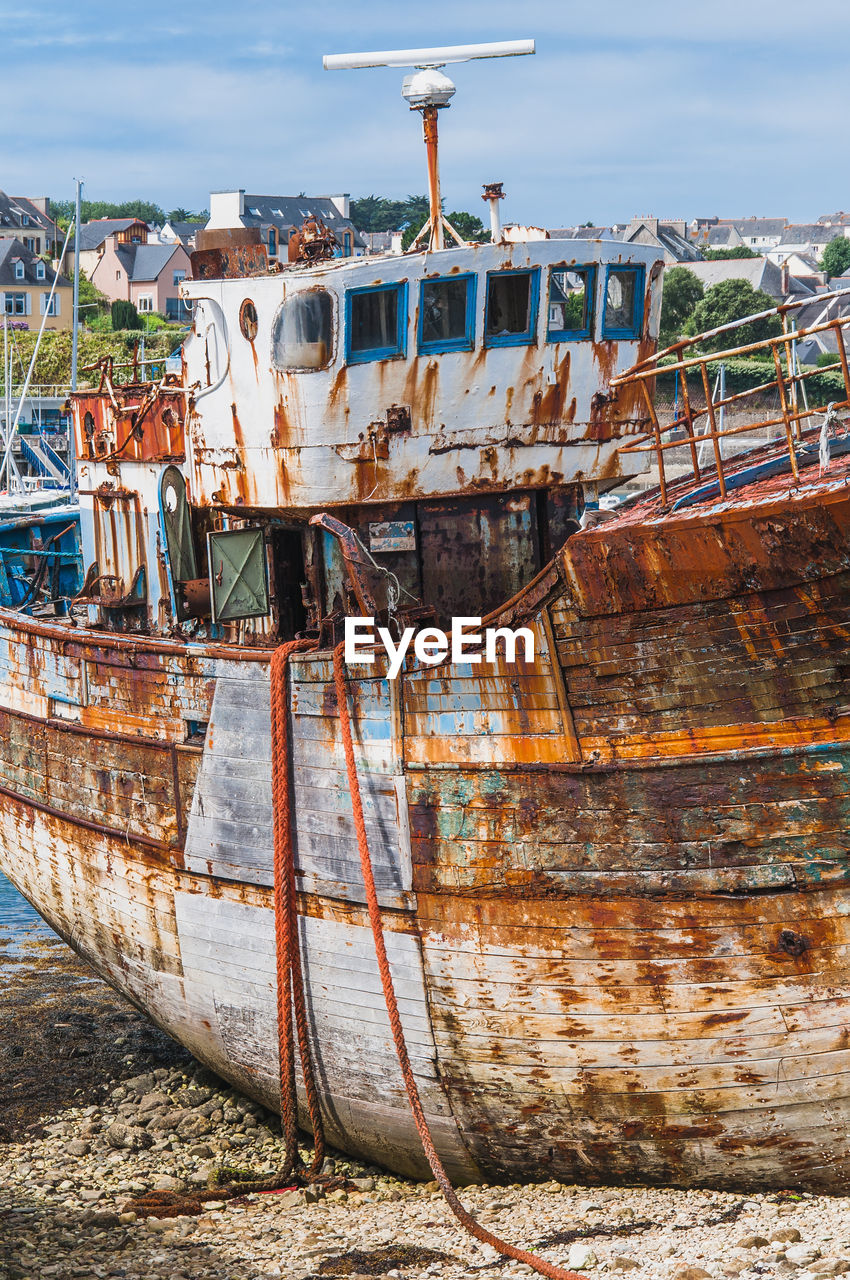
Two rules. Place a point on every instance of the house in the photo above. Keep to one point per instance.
(821, 312)
(759, 234)
(93, 240)
(148, 275)
(581, 233)
(25, 284)
(760, 272)
(379, 242)
(808, 238)
(29, 222)
(715, 237)
(277, 217)
(670, 237)
(120, 261)
(179, 233)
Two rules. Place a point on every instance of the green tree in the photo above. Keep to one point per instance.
(836, 257)
(682, 291)
(92, 300)
(62, 211)
(125, 316)
(734, 300)
(725, 255)
(470, 226)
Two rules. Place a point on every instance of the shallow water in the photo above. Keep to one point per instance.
(17, 917)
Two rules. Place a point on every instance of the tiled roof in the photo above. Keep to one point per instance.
(13, 209)
(93, 234)
(11, 251)
(144, 262)
(284, 212)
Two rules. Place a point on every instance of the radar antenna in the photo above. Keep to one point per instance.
(428, 90)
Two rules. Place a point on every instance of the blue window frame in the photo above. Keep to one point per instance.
(510, 313)
(572, 302)
(622, 315)
(447, 314)
(376, 323)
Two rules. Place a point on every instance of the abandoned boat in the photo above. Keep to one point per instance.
(612, 879)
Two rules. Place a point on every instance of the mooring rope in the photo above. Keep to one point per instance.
(464, 1217)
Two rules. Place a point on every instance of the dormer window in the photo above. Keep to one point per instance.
(19, 271)
(25, 219)
(40, 272)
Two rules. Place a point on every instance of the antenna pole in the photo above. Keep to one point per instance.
(429, 125)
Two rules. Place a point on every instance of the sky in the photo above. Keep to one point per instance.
(733, 108)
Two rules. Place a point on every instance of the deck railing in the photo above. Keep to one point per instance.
(705, 423)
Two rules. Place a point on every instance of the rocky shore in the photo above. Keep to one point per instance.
(100, 1110)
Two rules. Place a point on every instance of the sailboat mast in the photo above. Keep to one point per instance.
(74, 333)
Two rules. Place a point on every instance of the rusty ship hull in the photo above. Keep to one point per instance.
(613, 882)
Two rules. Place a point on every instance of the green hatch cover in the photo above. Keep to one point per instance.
(238, 576)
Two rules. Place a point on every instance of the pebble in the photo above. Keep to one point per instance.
(67, 1190)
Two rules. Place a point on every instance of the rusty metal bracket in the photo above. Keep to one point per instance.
(356, 563)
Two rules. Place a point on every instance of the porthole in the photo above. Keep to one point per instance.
(248, 320)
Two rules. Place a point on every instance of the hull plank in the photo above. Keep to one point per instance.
(230, 824)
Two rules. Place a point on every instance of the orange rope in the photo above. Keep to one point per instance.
(290, 977)
(465, 1218)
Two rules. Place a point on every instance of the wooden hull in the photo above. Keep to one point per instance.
(614, 881)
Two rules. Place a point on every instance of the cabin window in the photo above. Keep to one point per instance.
(511, 313)
(376, 323)
(447, 314)
(570, 313)
(302, 333)
(623, 302)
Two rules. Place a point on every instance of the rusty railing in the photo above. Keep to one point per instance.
(787, 383)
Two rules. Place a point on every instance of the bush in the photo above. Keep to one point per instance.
(153, 321)
(125, 316)
(53, 364)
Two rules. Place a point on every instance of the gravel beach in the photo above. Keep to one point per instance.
(100, 1109)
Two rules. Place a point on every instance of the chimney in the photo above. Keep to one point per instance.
(226, 209)
(343, 204)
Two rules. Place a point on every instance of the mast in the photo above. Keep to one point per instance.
(428, 91)
(72, 469)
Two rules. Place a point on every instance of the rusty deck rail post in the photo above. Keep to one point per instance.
(686, 402)
(712, 418)
(659, 450)
(786, 417)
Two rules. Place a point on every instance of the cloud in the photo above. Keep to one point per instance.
(625, 108)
